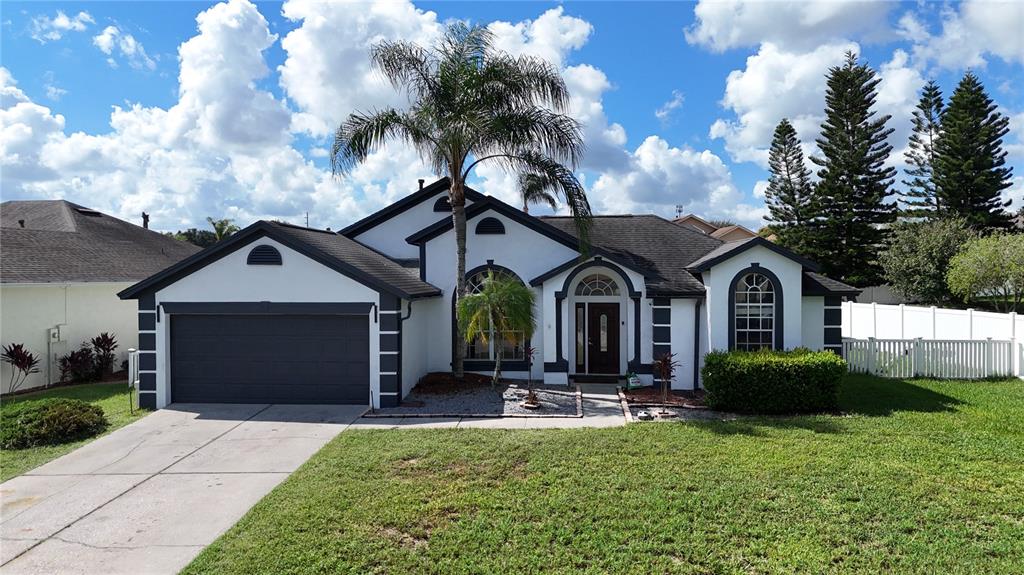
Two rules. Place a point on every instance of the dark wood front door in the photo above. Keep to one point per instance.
(603, 338)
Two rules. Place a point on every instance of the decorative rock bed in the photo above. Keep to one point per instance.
(504, 400)
(646, 404)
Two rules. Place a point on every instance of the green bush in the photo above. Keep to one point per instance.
(49, 422)
(772, 382)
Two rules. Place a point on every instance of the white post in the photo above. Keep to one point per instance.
(989, 358)
(918, 356)
(934, 332)
(970, 323)
(902, 322)
(871, 354)
(874, 319)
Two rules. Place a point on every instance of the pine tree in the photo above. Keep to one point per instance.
(788, 196)
(970, 171)
(854, 183)
(920, 198)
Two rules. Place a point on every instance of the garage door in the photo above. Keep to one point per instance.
(270, 359)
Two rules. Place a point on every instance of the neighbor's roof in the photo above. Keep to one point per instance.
(724, 231)
(651, 245)
(64, 242)
(346, 256)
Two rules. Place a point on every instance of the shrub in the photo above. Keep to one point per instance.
(77, 366)
(23, 364)
(103, 347)
(49, 422)
(772, 382)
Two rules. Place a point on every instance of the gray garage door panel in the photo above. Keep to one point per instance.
(270, 359)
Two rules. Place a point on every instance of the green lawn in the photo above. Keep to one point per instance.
(111, 397)
(921, 477)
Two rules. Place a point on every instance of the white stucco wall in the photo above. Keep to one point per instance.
(230, 279)
(813, 334)
(415, 334)
(82, 310)
(717, 281)
(520, 249)
(389, 236)
(682, 341)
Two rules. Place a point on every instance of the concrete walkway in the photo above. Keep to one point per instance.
(601, 408)
(148, 497)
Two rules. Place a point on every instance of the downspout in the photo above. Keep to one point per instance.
(696, 344)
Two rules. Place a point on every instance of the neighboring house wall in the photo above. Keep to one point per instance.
(734, 234)
(718, 279)
(230, 279)
(389, 236)
(82, 310)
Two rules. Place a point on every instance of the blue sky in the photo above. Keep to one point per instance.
(189, 109)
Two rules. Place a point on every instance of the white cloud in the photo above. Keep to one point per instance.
(724, 24)
(112, 39)
(53, 91)
(978, 29)
(551, 36)
(44, 29)
(664, 113)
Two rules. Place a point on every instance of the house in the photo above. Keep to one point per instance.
(732, 232)
(61, 266)
(282, 313)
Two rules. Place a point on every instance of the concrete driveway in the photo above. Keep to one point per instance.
(149, 496)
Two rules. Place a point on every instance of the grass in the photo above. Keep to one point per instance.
(111, 397)
(918, 477)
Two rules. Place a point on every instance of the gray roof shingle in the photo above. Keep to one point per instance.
(651, 245)
(65, 242)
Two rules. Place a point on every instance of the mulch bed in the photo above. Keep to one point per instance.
(651, 396)
(441, 395)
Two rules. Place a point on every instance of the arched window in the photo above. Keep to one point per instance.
(443, 204)
(264, 255)
(490, 226)
(511, 343)
(597, 284)
(755, 318)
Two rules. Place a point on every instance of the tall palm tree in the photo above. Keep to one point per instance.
(222, 228)
(536, 189)
(500, 311)
(469, 104)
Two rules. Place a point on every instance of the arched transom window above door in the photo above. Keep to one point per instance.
(597, 284)
(755, 312)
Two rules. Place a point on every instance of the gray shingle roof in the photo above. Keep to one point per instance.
(817, 284)
(650, 244)
(360, 256)
(65, 242)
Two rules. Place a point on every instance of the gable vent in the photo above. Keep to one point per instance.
(490, 226)
(264, 256)
(443, 204)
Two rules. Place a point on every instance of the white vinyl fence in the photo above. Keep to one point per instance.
(951, 359)
(907, 341)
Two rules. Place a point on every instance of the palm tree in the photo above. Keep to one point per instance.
(222, 228)
(500, 311)
(469, 104)
(536, 189)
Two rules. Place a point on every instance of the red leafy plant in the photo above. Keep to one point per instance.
(23, 364)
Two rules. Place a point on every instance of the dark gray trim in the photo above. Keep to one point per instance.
(147, 321)
(263, 255)
(147, 302)
(779, 305)
(661, 316)
(661, 334)
(488, 365)
(149, 286)
(833, 335)
(661, 302)
(147, 382)
(389, 362)
(696, 343)
(147, 360)
(833, 317)
(423, 262)
(704, 264)
(389, 401)
(388, 342)
(389, 384)
(147, 342)
(660, 350)
(389, 322)
(833, 300)
(389, 302)
(147, 400)
(410, 201)
(267, 308)
(556, 367)
(634, 363)
(597, 262)
(539, 280)
(490, 226)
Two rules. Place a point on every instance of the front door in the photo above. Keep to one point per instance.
(603, 338)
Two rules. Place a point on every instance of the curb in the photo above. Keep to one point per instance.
(625, 406)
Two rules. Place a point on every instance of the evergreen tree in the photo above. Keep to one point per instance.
(920, 198)
(789, 192)
(970, 171)
(854, 182)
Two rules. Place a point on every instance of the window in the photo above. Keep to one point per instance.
(511, 343)
(490, 226)
(264, 255)
(755, 312)
(597, 284)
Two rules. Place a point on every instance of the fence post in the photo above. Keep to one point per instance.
(903, 322)
(934, 332)
(874, 319)
(970, 323)
(989, 357)
(872, 350)
(918, 356)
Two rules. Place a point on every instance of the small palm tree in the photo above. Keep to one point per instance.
(536, 189)
(469, 104)
(222, 228)
(501, 309)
